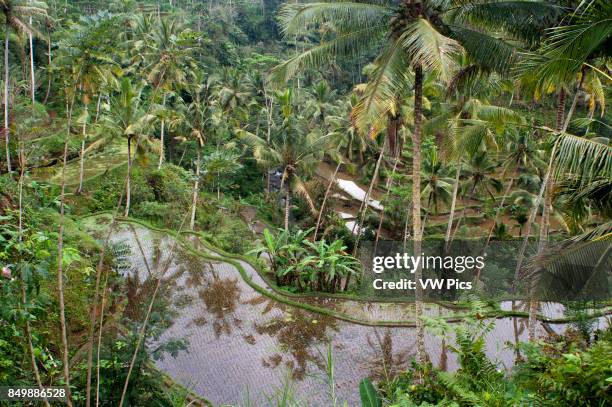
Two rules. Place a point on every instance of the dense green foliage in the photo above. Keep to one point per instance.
(475, 119)
(559, 371)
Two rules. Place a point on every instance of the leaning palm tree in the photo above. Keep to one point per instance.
(14, 12)
(292, 149)
(413, 36)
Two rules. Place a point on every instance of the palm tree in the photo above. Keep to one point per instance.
(436, 186)
(480, 175)
(293, 149)
(219, 164)
(14, 12)
(128, 119)
(570, 49)
(235, 91)
(415, 36)
(320, 103)
(573, 46)
(87, 48)
(196, 119)
(523, 155)
(342, 130)
(167, 57)
(471, 124)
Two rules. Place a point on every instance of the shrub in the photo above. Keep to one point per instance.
(564, 374)
(231, 236)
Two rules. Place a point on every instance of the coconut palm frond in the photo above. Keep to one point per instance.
(486, 51)
(574, 270)
(571, 46)
(392, 74)
(600, 232)
(351, 44)
(523, 19)
(300, 188)
(584, 158)
(344, 16)
(499, 115)
(426, 46)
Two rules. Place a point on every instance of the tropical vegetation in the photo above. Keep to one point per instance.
(284, 141)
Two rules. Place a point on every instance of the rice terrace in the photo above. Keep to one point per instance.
(247, 203)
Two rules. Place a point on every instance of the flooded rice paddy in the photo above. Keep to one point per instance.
(242, 345)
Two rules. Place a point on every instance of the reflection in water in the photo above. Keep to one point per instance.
(386, 362)
(224, 360)
(220, 297)
(298, 332)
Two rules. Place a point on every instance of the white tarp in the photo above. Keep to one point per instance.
(356, 192)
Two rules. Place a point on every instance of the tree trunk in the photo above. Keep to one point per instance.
(82, 159)
(32, 77)
(194, 200)
(406, 223)
(48, 64)
(497, 214)
(416, 210)
(560, 109)
(6, 99)
(332, 181)
(364, 203)
(128, 192)
(382, 213)
(22, 165)
(547, 184)
(94, 307)
(60, 271)
(161, 138)
(98, 107)
(451, 215)
(24, 301)
(28, 333)
(99, 345)
(287, 205)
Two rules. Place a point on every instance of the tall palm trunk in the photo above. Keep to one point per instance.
(128, 184)
(32, 77)
(364, 209)
(48, 62)
(546, 195)
(161, 138)
(60, 270)
(451, 215)
(416, 209)
(28, 333)
(82, 158)
(6, 98)
(287, 206)
(24, 301)
(382, 213)
(497, 215)
(99, 344)
(545, 221)
(98, 107)
(364, 203)
(194, 200)
(388, 186)
(332, 181)
(560, 109)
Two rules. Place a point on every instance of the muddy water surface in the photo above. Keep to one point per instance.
(243, 345)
